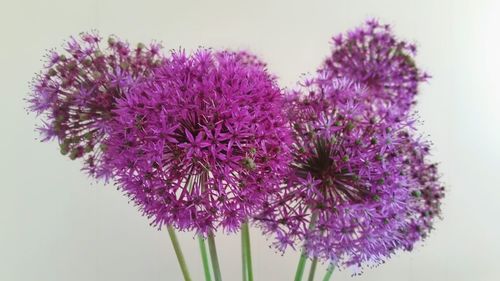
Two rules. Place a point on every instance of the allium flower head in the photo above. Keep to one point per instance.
(372, 55)
(77, 90)
(203, 142)
(346, 197)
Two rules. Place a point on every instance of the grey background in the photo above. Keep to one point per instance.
(55, 224)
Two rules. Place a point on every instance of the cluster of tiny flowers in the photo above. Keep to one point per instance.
(360, 186)
(345, 196)
(372, 55)
(76, 93)
(202, 143)
(208, 140)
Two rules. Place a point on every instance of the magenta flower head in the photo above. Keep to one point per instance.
(77, 90)
(203, 143)
(372, 55)
(346, 197)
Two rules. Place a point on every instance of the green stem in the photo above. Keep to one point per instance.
(204, 258)
(303, 256)
(243, 257)
(245, 232)
(329, 272)
(178, 253)
(213, 256)
(300, 267)
(312, 271)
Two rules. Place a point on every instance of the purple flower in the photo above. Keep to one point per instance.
(76, 93)
(373, 56)
(346, 196)
(202, 143)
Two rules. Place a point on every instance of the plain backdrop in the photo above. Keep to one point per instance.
(56, 224)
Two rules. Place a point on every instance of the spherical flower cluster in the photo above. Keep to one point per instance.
(360, 186)
(203, 142)
(77, 90)
(372, 55)
(345, 196)
(208, 140)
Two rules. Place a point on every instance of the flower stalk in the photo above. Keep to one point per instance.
(178, 253)
(300, 267)
(303, 257)
(312, 271)
(243, 259)
(329, 272)
(204, 258)
(213, 255)
(246, 252)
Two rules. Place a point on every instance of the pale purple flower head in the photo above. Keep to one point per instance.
(76, 93)
(202, 143)
(372, 55)
(346, 197)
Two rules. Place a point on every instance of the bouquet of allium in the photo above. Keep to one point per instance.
(208, 141)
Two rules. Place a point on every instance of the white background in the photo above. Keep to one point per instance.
(56, 225)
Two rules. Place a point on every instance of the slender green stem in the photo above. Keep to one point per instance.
(329, 272)
(245, 232)
(303, 256)
(204, 258)
(243, 258)
(312, 271)
(300, 267)
(178, 253)
(213, 256)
